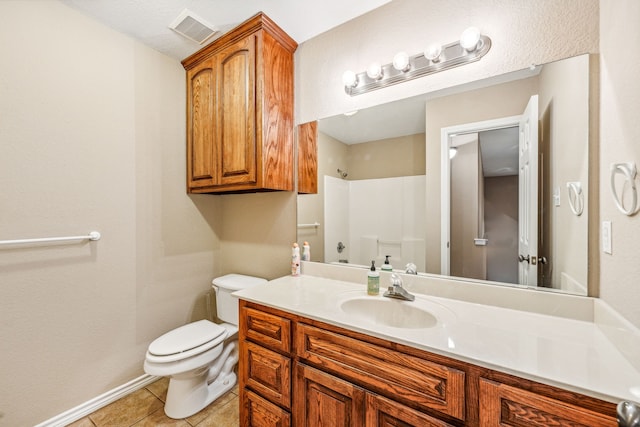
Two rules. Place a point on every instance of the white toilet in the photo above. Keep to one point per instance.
(199, 358)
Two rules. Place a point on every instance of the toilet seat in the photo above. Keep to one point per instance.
(186, 341)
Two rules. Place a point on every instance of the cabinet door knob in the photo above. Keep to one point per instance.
(628, 414)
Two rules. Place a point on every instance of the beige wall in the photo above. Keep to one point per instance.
(91, 138)
(501, 226)
(257, 234)
(564, 110)
(392, 157)
(620, 142)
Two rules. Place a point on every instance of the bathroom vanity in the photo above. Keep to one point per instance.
(314, 348)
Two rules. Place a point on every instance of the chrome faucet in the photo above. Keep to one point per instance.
(411, 268)
(397, 291)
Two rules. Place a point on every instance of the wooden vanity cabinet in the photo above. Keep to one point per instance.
(296, 371)
(240, 111)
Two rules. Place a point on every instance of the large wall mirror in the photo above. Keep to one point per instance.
(487, 182)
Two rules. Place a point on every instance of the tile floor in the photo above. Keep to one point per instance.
(145, 408)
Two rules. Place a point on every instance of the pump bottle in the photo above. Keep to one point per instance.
(373, 280)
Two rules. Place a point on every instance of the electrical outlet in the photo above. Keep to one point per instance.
(606, 237)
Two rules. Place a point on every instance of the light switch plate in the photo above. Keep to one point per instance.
(556, 196)
(606, 237)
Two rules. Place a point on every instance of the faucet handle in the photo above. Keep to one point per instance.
(411, 268)
(396, 280)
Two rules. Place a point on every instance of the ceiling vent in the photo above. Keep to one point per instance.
(193, 27)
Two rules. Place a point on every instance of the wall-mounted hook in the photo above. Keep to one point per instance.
(629, 171)
(343, 174)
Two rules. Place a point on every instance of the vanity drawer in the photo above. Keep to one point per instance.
(271, 330)
(267, 373)
(504, 405)
(405, 378)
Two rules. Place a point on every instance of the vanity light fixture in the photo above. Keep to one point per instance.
(471, 46)
(374, 72)
(452, 152)
(433, 52)
(349, 79)
(401, 62)
(470, 38)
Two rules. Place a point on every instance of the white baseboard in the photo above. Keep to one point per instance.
(96, 403)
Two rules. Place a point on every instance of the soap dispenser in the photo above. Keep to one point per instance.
(306, 252)
(387, 266)
(373, 280)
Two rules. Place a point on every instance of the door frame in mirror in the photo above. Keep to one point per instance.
(446, 135)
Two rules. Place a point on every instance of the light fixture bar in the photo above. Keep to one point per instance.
(453, 55)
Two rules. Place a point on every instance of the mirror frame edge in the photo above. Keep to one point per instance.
(593, 224)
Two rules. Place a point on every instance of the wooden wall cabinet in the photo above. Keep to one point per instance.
(240, 111)
(296, 371)
(308, 158)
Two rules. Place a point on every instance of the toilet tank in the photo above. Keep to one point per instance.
(224, 286)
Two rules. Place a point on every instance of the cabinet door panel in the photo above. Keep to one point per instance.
(322, 400)
(258, 412)
(236, 99)
(383, 412)
(506, 406)
(266, 372)
(201, 162)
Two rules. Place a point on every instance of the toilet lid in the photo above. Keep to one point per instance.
(202, 333)
(235, 282)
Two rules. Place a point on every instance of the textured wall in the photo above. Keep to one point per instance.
(620, 142)
(91, 137)
(523, 32)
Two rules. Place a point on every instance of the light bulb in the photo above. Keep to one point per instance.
(432, 53)
(470, 38)
(349, 79)
(374, 71)
(401, 61)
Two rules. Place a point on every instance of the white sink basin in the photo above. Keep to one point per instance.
(394, 313)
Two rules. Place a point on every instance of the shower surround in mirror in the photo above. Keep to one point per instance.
(374, 218)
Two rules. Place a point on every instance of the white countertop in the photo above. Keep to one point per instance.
(565, 352)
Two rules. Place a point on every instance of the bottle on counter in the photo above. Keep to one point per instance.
(387, 266)
(373, 280)
(306, 252)
(295, 260)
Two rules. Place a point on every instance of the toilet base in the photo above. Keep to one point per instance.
(186, 397)
(190, 392)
